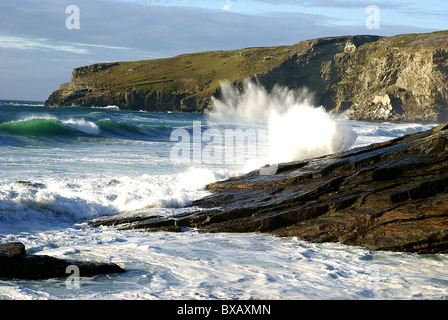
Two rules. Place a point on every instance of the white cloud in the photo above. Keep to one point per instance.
(23, 43)
(100, 46)
(124, 30)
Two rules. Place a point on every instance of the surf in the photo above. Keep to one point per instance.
(54, 128)
(48, 193)
(37, 127)
(296, 128)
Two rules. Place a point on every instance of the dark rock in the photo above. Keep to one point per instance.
(15, 263)
(11, 249)
(388, 173)
(30, 184)
(386, 196)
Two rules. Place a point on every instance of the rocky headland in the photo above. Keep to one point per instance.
(400, 78)
(387, 196)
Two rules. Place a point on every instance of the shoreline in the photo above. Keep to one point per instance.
(387, 196)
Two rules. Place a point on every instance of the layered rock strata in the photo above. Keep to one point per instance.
(386, 196)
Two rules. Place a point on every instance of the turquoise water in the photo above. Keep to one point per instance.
(61, 167)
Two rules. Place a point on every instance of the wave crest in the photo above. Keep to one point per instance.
(36, 127)
(51, 127)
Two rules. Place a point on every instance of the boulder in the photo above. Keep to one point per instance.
(16, 263)
(11, 249)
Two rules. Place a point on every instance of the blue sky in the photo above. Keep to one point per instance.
(38, 52)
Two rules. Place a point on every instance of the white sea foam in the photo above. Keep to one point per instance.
(111, 107)
(83, 125)
(45, 116)
(75, 200)
(193, 265)
(15, 104)
(67, 185)
(369, 132)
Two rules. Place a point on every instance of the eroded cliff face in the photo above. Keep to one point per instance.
(406, 82)
(402, 78)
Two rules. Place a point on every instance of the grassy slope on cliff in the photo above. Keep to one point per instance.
(206, 69)
(188, 72)
(341, 71)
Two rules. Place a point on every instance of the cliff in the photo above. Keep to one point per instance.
(400, 78)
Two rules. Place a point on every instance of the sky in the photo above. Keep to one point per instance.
(42, 41)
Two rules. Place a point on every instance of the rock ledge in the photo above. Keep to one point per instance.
(387, 196)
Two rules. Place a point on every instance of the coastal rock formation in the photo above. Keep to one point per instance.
(16, 263)
(386, 196)
(400, 78)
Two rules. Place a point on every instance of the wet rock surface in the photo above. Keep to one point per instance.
(16, 263)
(387, 196)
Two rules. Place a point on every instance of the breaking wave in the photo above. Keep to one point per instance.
(296, 129)
(76, 200)
(55, 128)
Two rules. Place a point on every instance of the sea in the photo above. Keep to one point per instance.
(62, 167)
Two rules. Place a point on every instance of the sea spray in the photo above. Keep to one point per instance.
(296, 129)
(256, 102)
(304, 131)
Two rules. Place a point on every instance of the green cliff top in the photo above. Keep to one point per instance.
(204, 70)
(343, 72)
